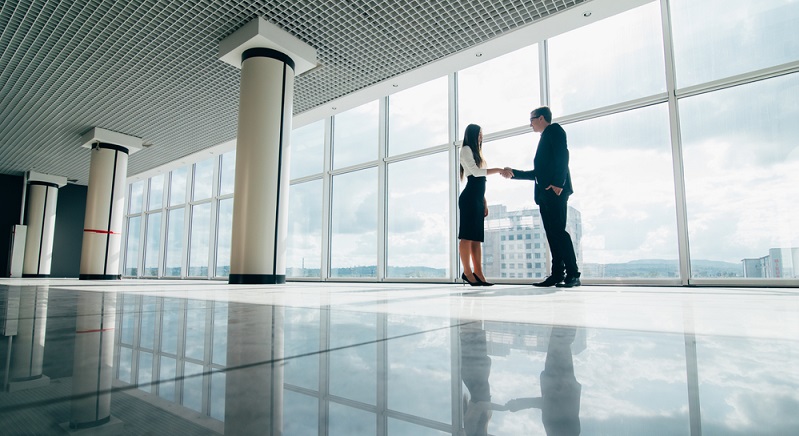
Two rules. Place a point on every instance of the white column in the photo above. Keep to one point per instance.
(93, 360)
(269, 58)
(105, 208)
(260, 200)
(40, 216)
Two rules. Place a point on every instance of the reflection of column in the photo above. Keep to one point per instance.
(254, 379)
(105, 203)
(269, 58)
(40, 218)
(93, 361)
(27, 354)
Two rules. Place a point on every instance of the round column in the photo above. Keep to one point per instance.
(40, 217)
(93, 360)
(260, 201)
(105, 203)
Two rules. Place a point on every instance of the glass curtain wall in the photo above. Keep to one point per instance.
(682, 147)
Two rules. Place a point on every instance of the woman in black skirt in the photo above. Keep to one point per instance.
(472, 205)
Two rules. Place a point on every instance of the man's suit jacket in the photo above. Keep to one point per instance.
(550, 165)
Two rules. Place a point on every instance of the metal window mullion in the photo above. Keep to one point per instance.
(382, 194)
(543, 72)
(676, 147)
(212, 230)
(327, 190)
(454, 172)
(143, 228)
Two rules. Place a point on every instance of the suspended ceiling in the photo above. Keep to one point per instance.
(150, 68)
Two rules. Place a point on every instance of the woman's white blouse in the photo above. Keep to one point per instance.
(470, 168)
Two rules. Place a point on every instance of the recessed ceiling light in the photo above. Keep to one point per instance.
(395, 85)
(334, 108)
(478, 54)
(587, 14)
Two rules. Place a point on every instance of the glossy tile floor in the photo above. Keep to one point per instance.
(184, 357)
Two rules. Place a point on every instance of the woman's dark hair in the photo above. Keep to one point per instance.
(470, 139)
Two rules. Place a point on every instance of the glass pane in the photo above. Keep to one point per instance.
(622, 216)
(511, 213)
(623, 53)
(177, 190)
(419, 367)
(418, 117)
(307, 149)
(169, 325)
(195, 330)
(136, 197)
(193, 386)
(500, 93)
(304, 251)
(353, 369)
(152, 246)
(302, 337)
(225, 236)
(351, 421)
(732, 37)
(218, 396)
(203, 179)
(125, 362)
(132, 246)
(219, 352)
(227, 173)
(148, 320)
(174, 242)
(356, 135)
(145, 371)
(156, 198)
(301, 416)
(418, 217)
(354, 215)
(166, 377)
(741, 179)
(200, 239)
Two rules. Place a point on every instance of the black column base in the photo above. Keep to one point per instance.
(100, 277)
(257, 279)
(35, 276)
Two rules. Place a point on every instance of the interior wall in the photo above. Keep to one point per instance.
(11, 201)
(68, 239)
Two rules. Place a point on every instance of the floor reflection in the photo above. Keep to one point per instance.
(143, 363)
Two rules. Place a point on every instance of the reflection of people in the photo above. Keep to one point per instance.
(560, 392)
(475, 368)
(553, 186)
(473, 206)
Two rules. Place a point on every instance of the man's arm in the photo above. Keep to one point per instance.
(523, 175)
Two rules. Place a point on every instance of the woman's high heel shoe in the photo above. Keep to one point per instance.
(477, 283)
(482, 283)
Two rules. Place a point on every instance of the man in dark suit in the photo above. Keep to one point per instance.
(553, 186)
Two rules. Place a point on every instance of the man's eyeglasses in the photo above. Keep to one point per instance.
(534, 118)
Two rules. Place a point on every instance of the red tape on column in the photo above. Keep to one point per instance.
(105, 232)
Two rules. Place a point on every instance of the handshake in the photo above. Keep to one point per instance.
(507, 173)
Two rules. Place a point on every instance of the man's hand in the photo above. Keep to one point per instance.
(507, 173)
(555, 189)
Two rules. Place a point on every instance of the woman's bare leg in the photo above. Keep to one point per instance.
(477, 259)
(465, 249)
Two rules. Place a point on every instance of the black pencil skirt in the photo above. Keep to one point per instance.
(472, 209)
